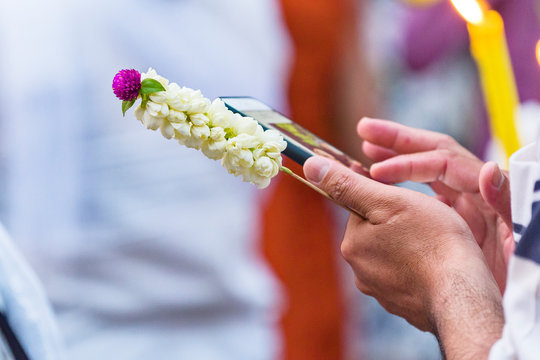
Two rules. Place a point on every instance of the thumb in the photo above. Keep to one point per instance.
(347, 187)
(495, 189)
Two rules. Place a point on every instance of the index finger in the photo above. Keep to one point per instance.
(456, 171)
(404, 139)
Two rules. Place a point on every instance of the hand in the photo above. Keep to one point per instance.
(417, 257)
(479, 192)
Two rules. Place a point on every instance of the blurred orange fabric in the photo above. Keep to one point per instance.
(298, 231)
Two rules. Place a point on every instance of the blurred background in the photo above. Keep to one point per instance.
(146, 249)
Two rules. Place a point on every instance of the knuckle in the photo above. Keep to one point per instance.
(452, 155)
(391, 211)
(347, 250)
(362, 287)
(445, 152)
(446, 141)
(447, 155)
(340, 186)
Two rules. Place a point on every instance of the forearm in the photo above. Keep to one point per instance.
(468, 315)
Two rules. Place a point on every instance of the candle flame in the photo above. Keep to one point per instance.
(538, 52)
(471, 10)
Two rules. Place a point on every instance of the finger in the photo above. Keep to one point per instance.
(375, 152)
(443, 199)
(349, 188)
(359, 168)
(495, 189)
(454, 170)
(447, 192)
(403, 139)
(509, 245)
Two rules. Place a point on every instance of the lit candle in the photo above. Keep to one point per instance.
(538, 52)
(489, 50)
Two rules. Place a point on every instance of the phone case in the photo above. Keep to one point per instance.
(301, 143)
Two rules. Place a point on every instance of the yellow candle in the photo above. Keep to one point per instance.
(489, 50)
(538, 52)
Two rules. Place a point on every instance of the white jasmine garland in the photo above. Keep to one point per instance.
(243, 146)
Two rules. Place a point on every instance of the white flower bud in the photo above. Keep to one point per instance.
(199, 119)
(178, 98)
(186, 94)
(214, 149)
(151, 74)
(173, 90)
(252, 177)
(191, 142)
(183, 128)
(200, 132)
(153, 108)
(176, 116)
(167, 130)
(273, 136)
(217, 134)
(246, 125)
(259, 152)
(263, 183)
(231, 163)
(273, 149)
(139, 113)
(151, 122)
(266, 167)
(178, 104)
(159, 97)
(245, 158)
(242, 141)
(199, 106)
(164, 110)
(219, 115)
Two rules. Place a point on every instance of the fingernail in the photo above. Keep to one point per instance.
(316, 168)
(498, 178)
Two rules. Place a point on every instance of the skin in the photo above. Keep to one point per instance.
(433, 261)
(478, 191)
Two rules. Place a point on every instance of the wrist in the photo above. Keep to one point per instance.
(466, 307)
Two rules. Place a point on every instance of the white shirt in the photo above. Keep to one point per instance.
(521, 335)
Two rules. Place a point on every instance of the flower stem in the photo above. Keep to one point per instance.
(323, 193)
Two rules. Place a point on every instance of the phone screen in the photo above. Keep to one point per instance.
(301, 143)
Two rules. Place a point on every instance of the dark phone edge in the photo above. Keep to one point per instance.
(292, 151)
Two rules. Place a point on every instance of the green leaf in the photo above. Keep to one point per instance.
(150, 86)
(145, 98)
(126, 105)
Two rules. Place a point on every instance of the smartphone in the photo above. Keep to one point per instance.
(301, 143)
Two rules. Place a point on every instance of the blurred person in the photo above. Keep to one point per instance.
(27, 327)
(328, 90)
(146, 249)
(442, 263)
(415, 53)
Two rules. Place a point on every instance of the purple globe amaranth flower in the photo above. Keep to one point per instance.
(126, 84)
